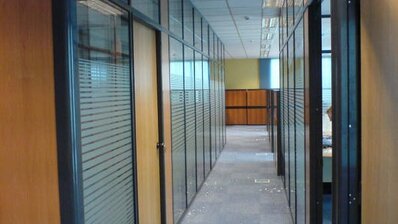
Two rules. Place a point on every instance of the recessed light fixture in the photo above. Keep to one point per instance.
(101, 7)
(268, 36)
(269, 22)
(272, 3)
(266, 46)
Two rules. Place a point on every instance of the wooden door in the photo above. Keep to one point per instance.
(147, 136)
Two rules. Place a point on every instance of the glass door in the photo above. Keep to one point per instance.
(104, 113)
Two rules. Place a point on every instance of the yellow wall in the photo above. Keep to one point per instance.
(242, 74)
(379, 47)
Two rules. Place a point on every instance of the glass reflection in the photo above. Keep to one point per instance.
(326, 34)
(149, 8)
(207, 114)
(175, 17)
(199, 118)
(298, 8)
(178, 128)
(198, 29)
(205, 37)
(103, 67)
(300, 123)
(291, 126)
(189, 80)
(188, 21)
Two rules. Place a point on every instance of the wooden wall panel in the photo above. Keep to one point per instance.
(257, 116)
(379, 49)
(257, 98)
(235, 98)
(28, 150)
(236, 116)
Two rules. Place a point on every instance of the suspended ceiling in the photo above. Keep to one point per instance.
(239, 24)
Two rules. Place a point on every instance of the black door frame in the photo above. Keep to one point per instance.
(161, 143)
(315, 111)
(346, 90)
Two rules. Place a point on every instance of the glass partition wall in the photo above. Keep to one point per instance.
(105, 113)
(305, 78)
(197, 99)
(101, 167)
(294, 110)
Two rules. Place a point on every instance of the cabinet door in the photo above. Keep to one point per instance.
(236, 116)
(235, 98)
(257, 116)
(256, 98)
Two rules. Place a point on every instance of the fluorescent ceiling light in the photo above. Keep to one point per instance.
(266, 46)
(268, 36)
(272, 3)
(101, 7)
(269, 22)
(264, 54)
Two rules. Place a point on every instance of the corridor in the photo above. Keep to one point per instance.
(243, 186)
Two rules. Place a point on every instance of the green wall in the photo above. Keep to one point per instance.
(242, 74)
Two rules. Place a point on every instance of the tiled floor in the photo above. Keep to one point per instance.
(230, 194)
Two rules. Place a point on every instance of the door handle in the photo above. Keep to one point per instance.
(161, 146)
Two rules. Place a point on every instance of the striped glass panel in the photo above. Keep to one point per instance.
(292, 126)
(300, 126)
(190, 122)
(286, 124)
(219, 95)
(213, 99)
(219, 109)
(105, 113)
(178, 126)
(213, 113)
(199, 119)
(206, 114)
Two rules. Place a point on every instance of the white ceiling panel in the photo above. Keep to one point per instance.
(238, 24)
(208, 4)
(245, 3)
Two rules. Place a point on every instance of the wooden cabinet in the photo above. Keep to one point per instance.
(257, 116)
(236, 116)
(246, 107)
(236, 98)
(257, 98)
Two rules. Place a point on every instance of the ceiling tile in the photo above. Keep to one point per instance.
(239, 27)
